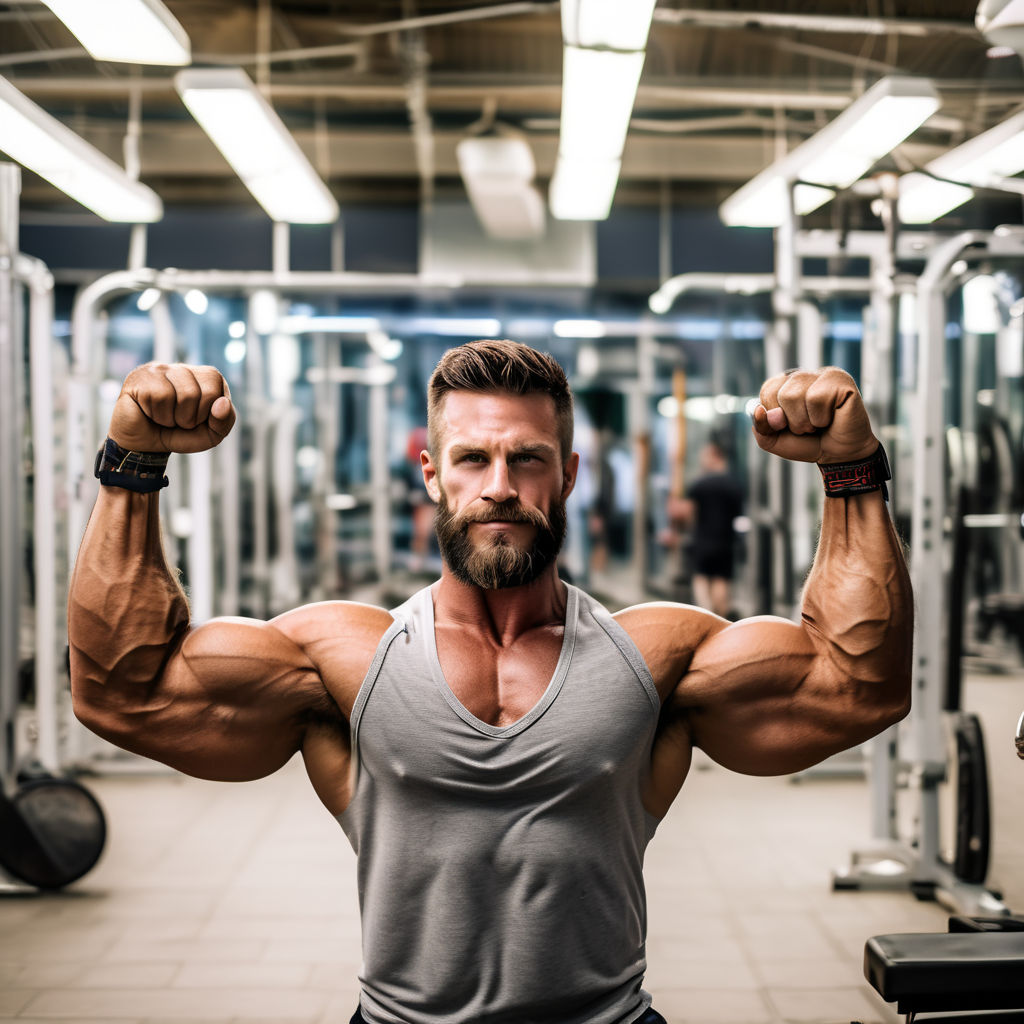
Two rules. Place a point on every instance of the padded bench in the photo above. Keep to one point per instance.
(944, 973)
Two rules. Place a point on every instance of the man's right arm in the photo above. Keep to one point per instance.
(231, 699)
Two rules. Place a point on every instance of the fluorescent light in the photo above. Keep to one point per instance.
(845, 149)
(234, 350)
(613, 24)
(41, 143)
(988, 157)
(129, 31)
(980, 297)
(583, 191)
(598, 89)
(603, 57)
(1000, 22)
(984, 160)
(496, 157)
(255, 142)
(764, 207)
(301, 323)
(578, 329)
(196, 301)
(498, 174)
(456, 327)
(875, 128)
(924, 199)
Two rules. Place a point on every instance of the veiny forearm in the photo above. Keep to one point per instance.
(126, 612)
(858, 604)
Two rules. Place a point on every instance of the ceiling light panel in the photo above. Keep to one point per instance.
(598, 90)
(836, 156)
(126, 31)
(608, 24)
(255, 142)
(40, 142)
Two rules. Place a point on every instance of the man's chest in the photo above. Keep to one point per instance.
(498, 684)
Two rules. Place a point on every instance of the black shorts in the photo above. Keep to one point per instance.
(651, 1016)
(714, 561)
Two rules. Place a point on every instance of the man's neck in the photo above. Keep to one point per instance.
(506, 613)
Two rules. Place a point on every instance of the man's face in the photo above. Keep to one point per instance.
(501, 506)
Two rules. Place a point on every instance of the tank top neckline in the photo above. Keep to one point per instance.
(547, 697)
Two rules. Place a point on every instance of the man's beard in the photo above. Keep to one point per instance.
(497, 562)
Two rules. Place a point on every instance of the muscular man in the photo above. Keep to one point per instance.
(499, 749)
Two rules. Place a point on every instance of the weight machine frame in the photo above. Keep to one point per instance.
(891, 863)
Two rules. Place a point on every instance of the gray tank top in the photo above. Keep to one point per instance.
(500, 868)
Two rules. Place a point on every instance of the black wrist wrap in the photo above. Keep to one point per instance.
(142, 472)
(846, 478)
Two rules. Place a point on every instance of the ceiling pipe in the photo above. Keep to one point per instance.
(450, 18)
(812, 22)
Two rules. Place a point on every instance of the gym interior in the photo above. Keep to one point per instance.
(675, 202)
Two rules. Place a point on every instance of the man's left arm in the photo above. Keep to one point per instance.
(768, 696)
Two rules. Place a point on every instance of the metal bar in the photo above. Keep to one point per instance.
(813, 22)
(928, 507)
(44, 505)
(11, 555)
(449, 18)
(380, 477)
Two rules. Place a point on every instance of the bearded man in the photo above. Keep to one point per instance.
(500, 749)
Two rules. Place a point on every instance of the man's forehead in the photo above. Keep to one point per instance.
(497, 406)
(468, 413)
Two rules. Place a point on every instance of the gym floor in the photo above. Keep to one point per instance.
(219, 903)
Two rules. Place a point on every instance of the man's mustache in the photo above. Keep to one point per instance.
(505, 511)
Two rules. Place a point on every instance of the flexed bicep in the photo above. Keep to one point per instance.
(231, 702)
(761, 698)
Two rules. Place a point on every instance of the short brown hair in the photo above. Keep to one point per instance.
(499, 366)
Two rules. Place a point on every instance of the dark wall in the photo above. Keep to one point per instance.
(386, 240)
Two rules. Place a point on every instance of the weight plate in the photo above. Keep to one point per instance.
(63, 835)
(970, 863)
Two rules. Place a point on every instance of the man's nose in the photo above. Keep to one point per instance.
(498, 485)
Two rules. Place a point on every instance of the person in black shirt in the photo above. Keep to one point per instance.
(714, 501)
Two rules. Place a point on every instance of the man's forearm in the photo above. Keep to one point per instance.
(858, 601)
(125, 609)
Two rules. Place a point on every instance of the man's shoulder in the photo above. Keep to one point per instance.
(332, 620)
(668, 634)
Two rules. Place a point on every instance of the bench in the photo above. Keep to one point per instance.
(948, 973)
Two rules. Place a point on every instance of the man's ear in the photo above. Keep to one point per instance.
(569, 471)
(431, 479)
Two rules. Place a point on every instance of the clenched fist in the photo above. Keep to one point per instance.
(172, 408)
(814, 416)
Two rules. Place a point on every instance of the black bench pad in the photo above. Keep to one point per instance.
(947, 971)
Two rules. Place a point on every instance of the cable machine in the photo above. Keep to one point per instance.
(917, 863)
(52, 829)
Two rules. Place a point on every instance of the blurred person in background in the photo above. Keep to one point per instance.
(708, 512)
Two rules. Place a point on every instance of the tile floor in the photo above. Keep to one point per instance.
(219, 903)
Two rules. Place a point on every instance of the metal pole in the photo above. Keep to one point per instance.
(928, 509)
(326, 428)
(44, 505)
(640, 433)
(200, 504)
(11, 554)
(805, 482)
(228, 462)
(259, 410)
(281, 251)
(380, 478)
(778, 356)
